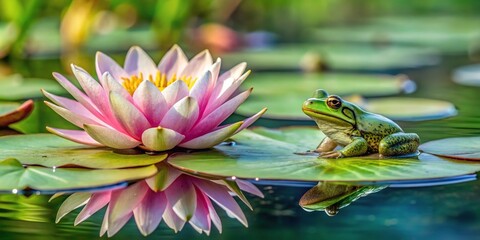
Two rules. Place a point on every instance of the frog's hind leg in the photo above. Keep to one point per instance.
(399, 144)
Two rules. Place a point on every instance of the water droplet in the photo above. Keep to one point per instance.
(14, 191)
(233, 177)
(257, 179)
(54, 168)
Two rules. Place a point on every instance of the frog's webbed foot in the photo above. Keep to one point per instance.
(331, 154)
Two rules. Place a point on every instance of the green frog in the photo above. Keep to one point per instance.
(358, 131)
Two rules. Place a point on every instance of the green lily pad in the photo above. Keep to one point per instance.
(284, 94)
(466, 148)
(284, 99)
(334, 56)
(450, 35)
(11, 112)
(15, 87)
(14, 176)
(52, 151)
(468, 75)
(270, 154)
(410, 109)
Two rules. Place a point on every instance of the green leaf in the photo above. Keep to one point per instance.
(467, 148)
(13, 175)
(335, 56)
(270, 154)
(15, 87)
(52, 151)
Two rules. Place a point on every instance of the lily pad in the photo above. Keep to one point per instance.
(334, 56)
(468, 75)
(467, 148)
(284, 99)
(270, 154)
(15, 87)
(52, 151)
(284, 94)
(448, 34)
(14, 176)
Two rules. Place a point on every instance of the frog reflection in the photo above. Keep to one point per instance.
(331, 197)
(171, 195)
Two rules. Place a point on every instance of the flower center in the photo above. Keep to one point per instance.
(159, 80)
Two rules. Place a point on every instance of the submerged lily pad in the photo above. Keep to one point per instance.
(14, 176)
(334, 56)
(52, 151)
(11, 112)
(467, 148)
(468, 75)
(270, 154)
(15, 87)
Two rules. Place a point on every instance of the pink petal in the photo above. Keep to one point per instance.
(222, 92)
(174, 92)
(173, 62)
(218, 115)
(215, 69)
(105, 64)
(181, 196)
(96, 202)
(220, 195)
(150, 211)
(151, 102)
(249, 187)
(123, 201)
(74, 118)
(233, 73)
(131, 119)
(181, 116)
(111, 85)
(249, 121)
(172, 220)
(201, 218)
(213, 213)
(161, 139)
(212, 138)
(164, 178)
(77, 136)
(114, 227)
(200, 90)
(94, 90)
(110, 137)
(198, 65)
(138, 61)
(73, 202)
(71, 105)
(78, 95)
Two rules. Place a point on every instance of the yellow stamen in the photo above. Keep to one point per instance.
(159, 80)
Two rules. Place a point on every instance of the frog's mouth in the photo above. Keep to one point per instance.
(327, 117)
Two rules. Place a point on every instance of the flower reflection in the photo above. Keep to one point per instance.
(171, 195)
(331, 197)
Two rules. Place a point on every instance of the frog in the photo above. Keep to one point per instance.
(358, 131)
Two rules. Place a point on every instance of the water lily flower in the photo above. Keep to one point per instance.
(180, 198)
(177, 103)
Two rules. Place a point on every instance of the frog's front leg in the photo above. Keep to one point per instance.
(357, 147)
(326, 145)
(399, 144)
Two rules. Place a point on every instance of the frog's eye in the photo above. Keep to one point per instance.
(334, 102)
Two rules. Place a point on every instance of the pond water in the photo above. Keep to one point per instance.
(438, 212)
